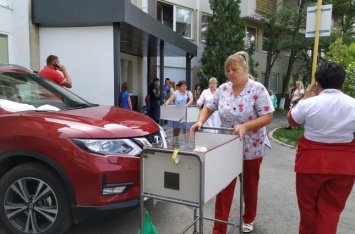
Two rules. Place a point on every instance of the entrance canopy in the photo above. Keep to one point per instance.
(139, 32)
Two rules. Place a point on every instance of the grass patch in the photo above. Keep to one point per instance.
(288, 136)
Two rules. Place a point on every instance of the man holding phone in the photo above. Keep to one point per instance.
(51, 72)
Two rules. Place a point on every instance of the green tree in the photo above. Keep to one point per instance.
(225, 36)
(344, 54)
(294, 41)
(344, 14)
(278, 29)
(341, 53)
(252, 63)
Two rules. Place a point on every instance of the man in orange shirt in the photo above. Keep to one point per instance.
(51, 72)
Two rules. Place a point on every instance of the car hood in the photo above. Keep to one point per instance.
(99, 121)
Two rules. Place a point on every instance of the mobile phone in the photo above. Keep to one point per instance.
(56, 65)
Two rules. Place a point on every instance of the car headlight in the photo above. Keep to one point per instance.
(109, 146)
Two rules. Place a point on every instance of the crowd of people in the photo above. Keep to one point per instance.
(324, 180)
(324, 164)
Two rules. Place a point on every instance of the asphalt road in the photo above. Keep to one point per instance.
(277, 207)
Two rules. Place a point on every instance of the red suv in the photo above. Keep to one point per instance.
(62, 159)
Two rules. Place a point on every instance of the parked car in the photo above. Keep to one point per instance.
(63, 159)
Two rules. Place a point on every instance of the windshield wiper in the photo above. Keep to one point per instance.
(79, 106)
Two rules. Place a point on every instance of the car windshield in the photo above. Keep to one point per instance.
(30, 92)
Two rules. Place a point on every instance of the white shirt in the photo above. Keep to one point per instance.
(297, 94)
(213, 120)
(328, 117)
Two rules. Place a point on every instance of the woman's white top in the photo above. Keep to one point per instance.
(213, 120)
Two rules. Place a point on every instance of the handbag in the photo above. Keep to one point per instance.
(149, 227)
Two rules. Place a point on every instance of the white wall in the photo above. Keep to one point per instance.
(204, 6)
(6, 20)
(87, 53)
(184, 3)
(247, 7)
(14, 22)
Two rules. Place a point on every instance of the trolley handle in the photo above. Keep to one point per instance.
(217, 128)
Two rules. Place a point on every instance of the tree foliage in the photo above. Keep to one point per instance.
(344, 14)
(345, 55)
(225, 36)
(282, 29)
(252, 63)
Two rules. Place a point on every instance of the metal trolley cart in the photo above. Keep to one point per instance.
(179, 113)
(192, 173)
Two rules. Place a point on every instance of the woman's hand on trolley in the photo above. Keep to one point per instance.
(196, 126)
(240, 129)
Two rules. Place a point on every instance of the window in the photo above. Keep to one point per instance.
(273, 81)
(177, 18)
(204, 26)
(250, 37)
(4, 52)
(267, 40)
(183, 22)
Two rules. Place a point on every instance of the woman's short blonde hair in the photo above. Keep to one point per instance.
(241, 58)
(213, 79)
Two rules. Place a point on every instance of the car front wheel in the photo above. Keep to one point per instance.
(33, 200)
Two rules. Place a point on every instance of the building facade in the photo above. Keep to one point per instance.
(189, 19)
(87, 53)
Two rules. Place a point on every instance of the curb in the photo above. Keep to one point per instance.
(279, 142)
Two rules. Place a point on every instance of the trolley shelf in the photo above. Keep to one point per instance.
(179, 113)
(193, 177)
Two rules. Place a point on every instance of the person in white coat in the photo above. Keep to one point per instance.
(207, 94)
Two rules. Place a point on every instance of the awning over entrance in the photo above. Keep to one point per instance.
(138, 31)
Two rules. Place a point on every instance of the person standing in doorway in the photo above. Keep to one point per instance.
(166, 89)
(153, 92)
(125, 99)
(51, 72)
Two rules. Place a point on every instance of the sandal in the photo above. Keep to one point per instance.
(248, 227)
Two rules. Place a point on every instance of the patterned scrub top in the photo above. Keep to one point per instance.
(252, 102)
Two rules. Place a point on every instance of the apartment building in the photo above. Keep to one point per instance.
(86, 47)
(189, 19)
